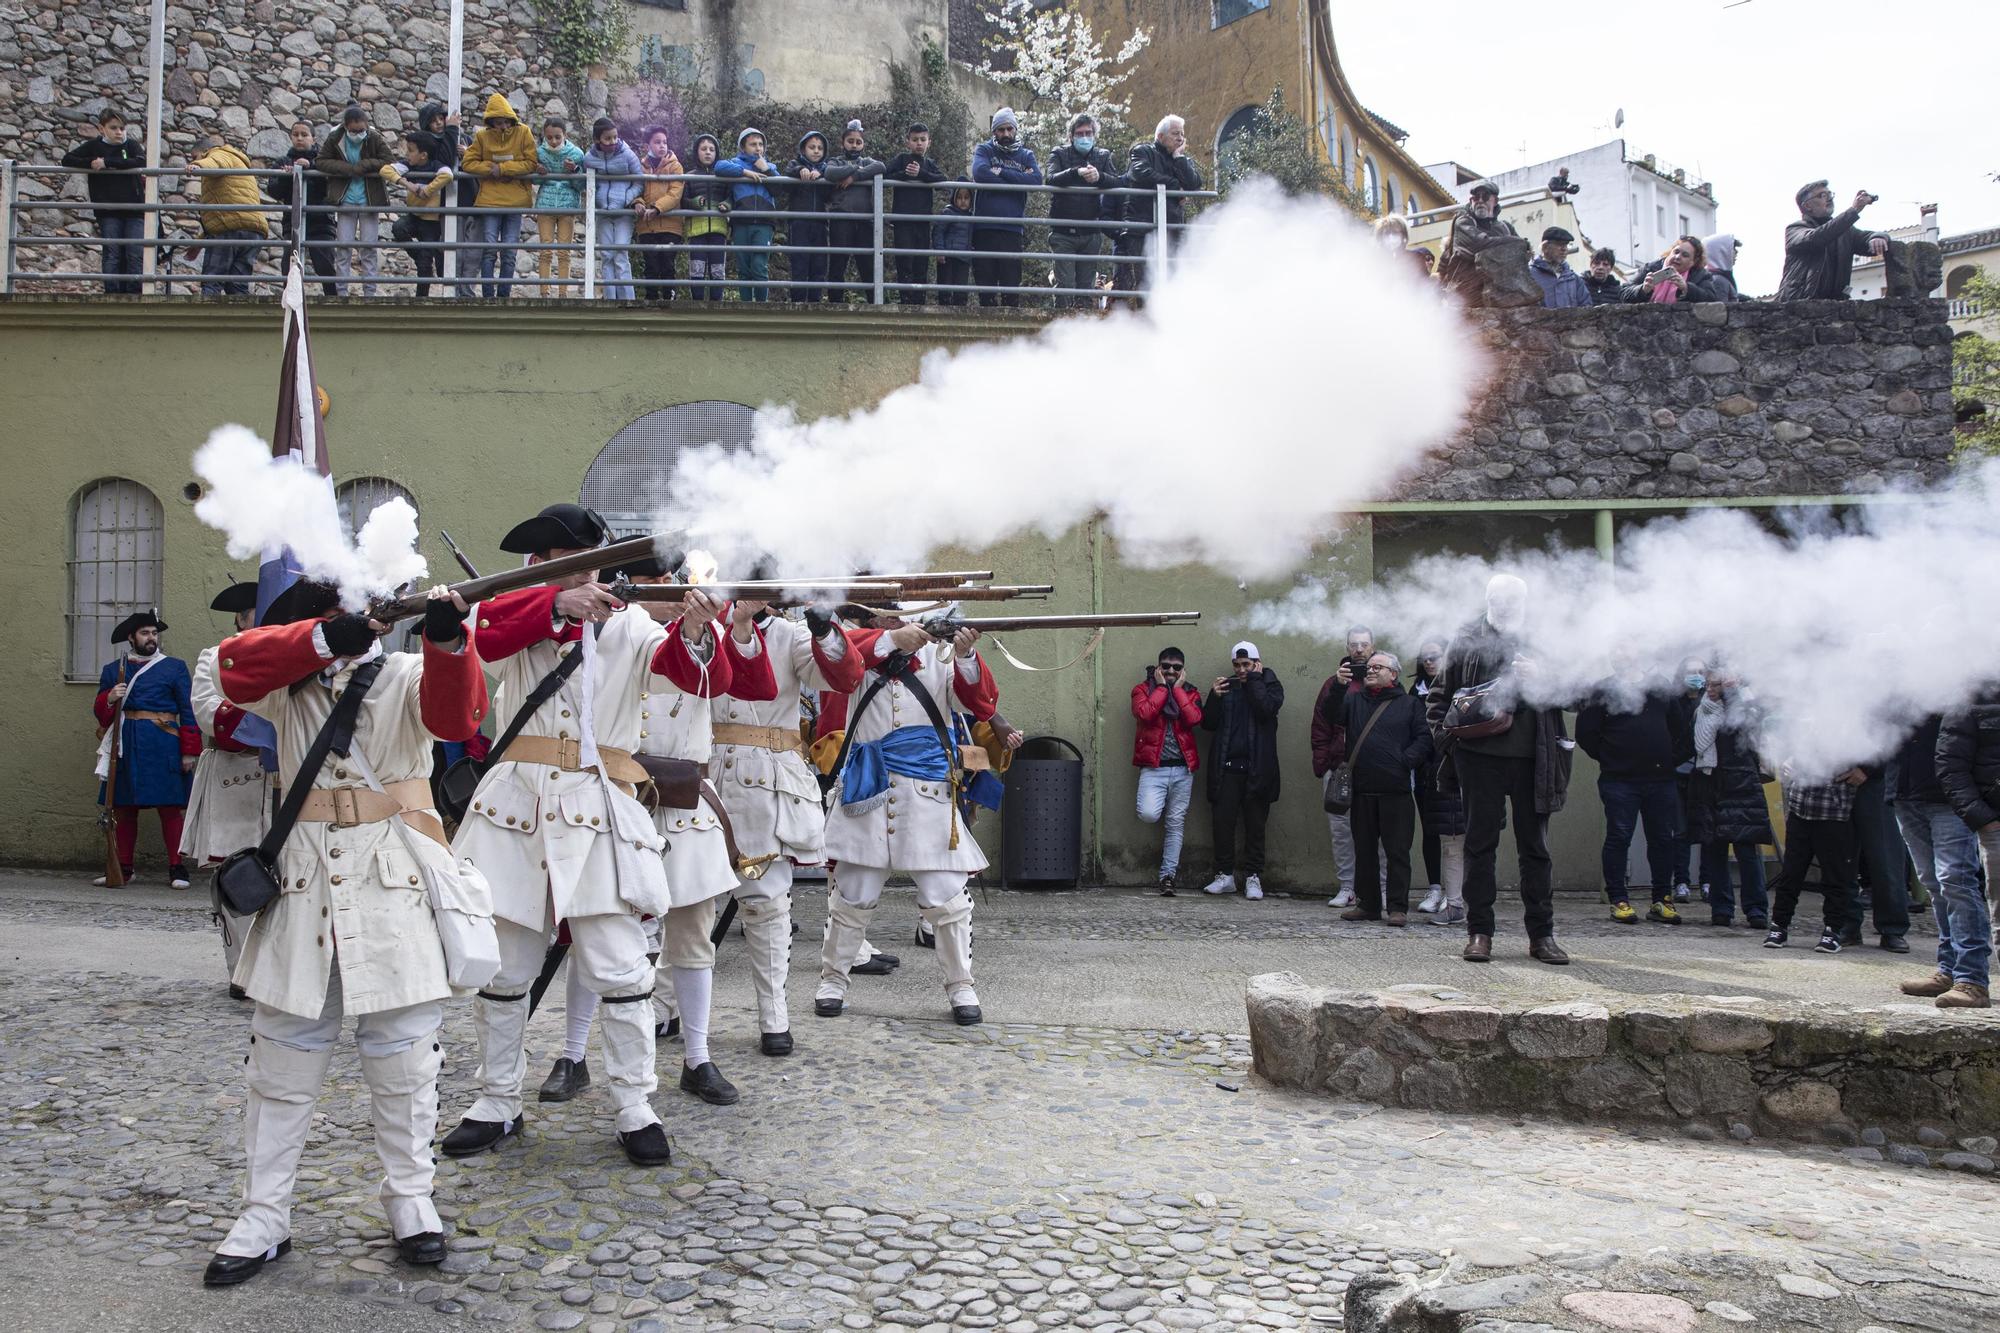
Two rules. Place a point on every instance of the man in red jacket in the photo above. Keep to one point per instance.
(1168, 709)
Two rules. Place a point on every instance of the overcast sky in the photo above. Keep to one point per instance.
(1898, 99)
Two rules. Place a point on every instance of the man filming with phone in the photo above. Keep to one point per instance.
(1821, 247)
(1241, 711)
(1167, 709)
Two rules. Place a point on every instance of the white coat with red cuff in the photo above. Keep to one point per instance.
(229, 804)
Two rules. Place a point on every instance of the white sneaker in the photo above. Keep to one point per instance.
(1345, 898)
(1220, 884)
(1253, 888)
(1432, 901)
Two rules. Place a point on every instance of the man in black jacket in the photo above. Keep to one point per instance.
(1388, 740)
(1820, 248)
(319, 226)
(1242, 712)
(1946, 853)
(913, 165)
(1525, 764)
(1162, 160)
(1631, 733)
(1082, 171)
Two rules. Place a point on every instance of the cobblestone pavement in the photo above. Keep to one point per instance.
(1083, 1166)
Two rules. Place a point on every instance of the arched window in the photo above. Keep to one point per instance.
(628, 482)
(1371, 185)
(1238, 124)
(361, 497)
(1410, 206)
(1389, 197)
(117, 544)
(1346, 158)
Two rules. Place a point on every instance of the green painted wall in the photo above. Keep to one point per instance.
(485, 415)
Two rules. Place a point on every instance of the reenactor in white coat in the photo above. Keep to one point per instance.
(229, 805)
(895, 805)
(556, 827)
(351, 933)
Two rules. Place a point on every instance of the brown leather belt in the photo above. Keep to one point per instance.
(164, 721)
(346, 807)
(567, 755)
(782, 739)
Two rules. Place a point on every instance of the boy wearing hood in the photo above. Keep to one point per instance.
(954, 233)
(610, 155)
(1083, 171)
(233, 233)
(352, 158)
(913, 165)
(750, 198)
(501, 157)
(110, 156)
(853, 204)
(658, 230)
(557, 202)
(998, 235)
(708, 229)
(808, 201)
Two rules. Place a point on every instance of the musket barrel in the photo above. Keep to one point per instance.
(1113, 620)
(598, 558)
(800, 590)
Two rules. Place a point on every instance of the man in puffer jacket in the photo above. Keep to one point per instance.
(239, 229)
(999, 234)
(501, 157)
(1083, 171)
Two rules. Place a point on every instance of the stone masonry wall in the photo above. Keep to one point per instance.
(1671, 401)
(1903, 1080)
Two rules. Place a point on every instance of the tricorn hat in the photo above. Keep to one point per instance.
(138, 620)
(236, 597)
(646, 567)
(304, 600)
(558, 527)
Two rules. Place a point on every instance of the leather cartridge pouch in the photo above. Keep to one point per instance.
(672, 784)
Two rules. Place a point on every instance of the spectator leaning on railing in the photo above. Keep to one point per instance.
(114, 162)
(1161, 161)
(557, 157)
(240, 229)
(426, 183)
(1081, 172)
(658, 231)
(913, 165)
(998, 233)
(610, 155)
(500, 156)
(706, 234)
(352, 158)
(850, 172)
(749, 173)
(319, 226)
(806, 232)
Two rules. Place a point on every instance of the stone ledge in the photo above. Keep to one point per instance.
(1741, 1065)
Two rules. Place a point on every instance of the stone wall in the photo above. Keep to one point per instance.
(1740, 400)
(1904, 1080)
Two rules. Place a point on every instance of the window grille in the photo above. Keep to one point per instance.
(117, 547)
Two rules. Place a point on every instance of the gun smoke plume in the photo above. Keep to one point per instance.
(1286, 369)
(262, 503)
(1845, 635)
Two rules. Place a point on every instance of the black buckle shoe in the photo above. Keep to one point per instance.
(236, 992)
(647, 1147)
(925, 939)
(966, 1015)
(874, 967)
(566, 1078)
(891, 959)
(476, 1136)
(707, 1083)
(226, 1270)
(423, 1249)
(1895, 944)
(828, 1008)
(670, 1028)
(776, 1043)
(1546, 950)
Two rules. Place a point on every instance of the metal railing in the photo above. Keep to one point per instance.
(910, 268)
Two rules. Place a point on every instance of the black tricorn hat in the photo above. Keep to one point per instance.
(236, 597)
(647, 567)
(138, 620)
(304, 600)
(558, 527)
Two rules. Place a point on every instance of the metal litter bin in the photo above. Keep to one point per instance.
(1041, 817)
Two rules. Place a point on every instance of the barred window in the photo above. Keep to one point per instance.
(628, 480)
(117, 545)
(362, 496)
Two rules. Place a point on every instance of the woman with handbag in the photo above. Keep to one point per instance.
(1391, 743)
(360, 907)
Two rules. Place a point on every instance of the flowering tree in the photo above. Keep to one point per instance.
(1059, 65)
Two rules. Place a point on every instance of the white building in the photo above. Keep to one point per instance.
(1637, 206)
(1964, 255)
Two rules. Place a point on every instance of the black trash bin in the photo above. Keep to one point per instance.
(1041, 818)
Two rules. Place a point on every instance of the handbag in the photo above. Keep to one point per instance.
(1340, 778)
(1472, 713)
(248, 879)
(460, 780)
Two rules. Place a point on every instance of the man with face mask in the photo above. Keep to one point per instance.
(145, 713)
(353, 157)
(1082, 171)
(1504, 750)
(1820, 248)
(1477, 227)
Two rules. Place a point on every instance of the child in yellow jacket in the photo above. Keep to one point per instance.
(500, 157)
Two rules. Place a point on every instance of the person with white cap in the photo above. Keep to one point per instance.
(753, 213)
(1241, 711)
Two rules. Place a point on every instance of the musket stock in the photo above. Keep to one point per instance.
(598, 558)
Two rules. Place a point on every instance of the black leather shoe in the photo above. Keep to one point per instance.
(237, 992)
(476, 1136)
(226, 1270)
(1478, 949)
(1895, 944)
(423, 1249)
(708, 1084)
(966, 1015)
(647, 1147)
(1546, 950)
(775, 1043)
(874, 967)
(670, 1028)
(891, 959)
(566, 1078)
(925, 939)
(828, 1008)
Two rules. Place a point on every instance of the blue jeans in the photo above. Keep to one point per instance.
(614, 261)
(115, 227)
(1715, 873)
(1946, 853)
(753, 269)
(497, 235)
(1627, 804)
(1164, 794)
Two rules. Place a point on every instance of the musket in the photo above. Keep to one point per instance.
(985, 592)
(934, 578)
(391, 609)
(944, 627)
(114, 870)
(470, 571)
(777, 592)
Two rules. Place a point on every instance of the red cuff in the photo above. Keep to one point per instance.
(832, 714)
(227, 716)
(257, 662)
(104, 708)
(677, 663)
(751, 678)
(842, 673)
(451, 698)
(980, 697)
(190, 741)
(514, 620)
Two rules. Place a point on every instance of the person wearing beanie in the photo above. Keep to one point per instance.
(999, 233)
(1082, 171)
(914, 173)
(806, 231)
(853, 204)
(501, 157)
(353, 157)
(610, 156)
(753, 213)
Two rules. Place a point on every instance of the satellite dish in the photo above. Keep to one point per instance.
(1618, 121)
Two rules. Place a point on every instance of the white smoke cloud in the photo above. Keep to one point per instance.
(259, 502)
(1846, 635)
(1287, 369)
